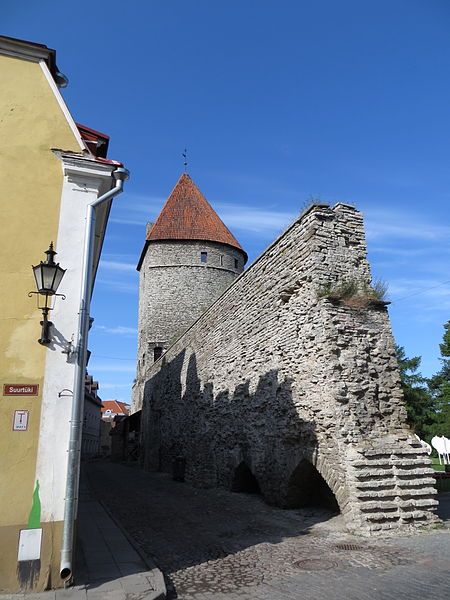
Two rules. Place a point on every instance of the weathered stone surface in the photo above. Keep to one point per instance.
(175, 289)
(274, 376)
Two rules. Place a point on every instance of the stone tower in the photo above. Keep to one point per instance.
(189, 259)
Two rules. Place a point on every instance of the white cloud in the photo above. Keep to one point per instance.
(403, 286)
(140, 209)
(137, 209)
(118, 275)
(112, 367)
(119, 286)
(111, 386)
(401, 252)
(117, 330)
(128, 221)
(393, 224)
(142, 203)
(253, 219)
(420, 295)
(113, 265)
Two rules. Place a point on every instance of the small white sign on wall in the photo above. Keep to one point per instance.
(20, 422)
(30, 544)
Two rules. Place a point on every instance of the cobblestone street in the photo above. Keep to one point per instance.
(214, 544)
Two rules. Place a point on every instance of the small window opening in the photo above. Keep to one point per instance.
(236, 263)
(203, 257)
(157, 352)
(221, 260)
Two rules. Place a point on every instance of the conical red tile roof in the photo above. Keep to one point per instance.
(187, 215)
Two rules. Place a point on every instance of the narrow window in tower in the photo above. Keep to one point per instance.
(236, 263)
(221, 260)
(157, 352)
(203, 257)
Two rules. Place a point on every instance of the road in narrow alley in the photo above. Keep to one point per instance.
(214, 544)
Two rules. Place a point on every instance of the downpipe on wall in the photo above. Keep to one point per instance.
(73, 463)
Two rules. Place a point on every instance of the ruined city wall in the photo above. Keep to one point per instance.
(279, 378)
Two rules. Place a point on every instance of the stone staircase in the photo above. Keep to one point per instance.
(394, 487)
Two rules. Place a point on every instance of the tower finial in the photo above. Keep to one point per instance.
(184, 155)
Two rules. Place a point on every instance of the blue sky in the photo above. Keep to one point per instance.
(276, 101)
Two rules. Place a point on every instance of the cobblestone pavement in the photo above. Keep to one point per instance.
(213, 544)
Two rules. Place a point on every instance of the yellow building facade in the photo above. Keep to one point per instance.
(48, 176)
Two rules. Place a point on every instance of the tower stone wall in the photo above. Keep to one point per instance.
(282, 376)
(176, 288)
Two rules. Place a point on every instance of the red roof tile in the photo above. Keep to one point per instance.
(115, 407)
(96, 141)
(187, 215)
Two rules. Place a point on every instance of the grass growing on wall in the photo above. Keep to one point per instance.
(354, 293)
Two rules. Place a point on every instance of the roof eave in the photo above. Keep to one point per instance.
(147, 242)
(141, 258)
(33, 51)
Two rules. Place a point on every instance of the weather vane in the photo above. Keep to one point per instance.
(184, 155)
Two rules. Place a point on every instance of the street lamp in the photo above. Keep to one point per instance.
(48, 276)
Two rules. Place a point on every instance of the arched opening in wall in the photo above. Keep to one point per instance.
(307, 488)
(244, 481)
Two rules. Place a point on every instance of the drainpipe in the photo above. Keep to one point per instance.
(73, 463)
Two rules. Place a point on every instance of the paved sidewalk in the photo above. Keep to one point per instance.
(108, 566)
(216, 545)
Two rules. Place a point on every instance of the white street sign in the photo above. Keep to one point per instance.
(20, 422)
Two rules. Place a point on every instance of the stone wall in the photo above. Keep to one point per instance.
(279, 379)
(175, 289)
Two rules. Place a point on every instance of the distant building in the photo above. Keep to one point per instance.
(113, 408)
(52, 172)
(113, 412)
(90, 445)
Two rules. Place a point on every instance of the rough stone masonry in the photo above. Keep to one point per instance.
(278, 381)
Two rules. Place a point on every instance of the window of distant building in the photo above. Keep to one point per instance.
(203, 257)
(236, 263)
(221, 260)
(157, 352)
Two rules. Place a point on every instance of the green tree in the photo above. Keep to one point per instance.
(439, 386)
(419, 402)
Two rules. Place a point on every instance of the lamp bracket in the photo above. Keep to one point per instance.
(47, 296)
(69, 349)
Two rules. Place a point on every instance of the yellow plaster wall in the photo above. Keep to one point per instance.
(47, 576)
(31, 124)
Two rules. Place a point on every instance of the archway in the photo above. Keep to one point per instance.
(244, 480)
(307, 487)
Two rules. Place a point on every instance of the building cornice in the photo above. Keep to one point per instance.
(82, 165)
(33, 52)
